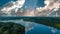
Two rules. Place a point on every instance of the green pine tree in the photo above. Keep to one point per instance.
(6, 32)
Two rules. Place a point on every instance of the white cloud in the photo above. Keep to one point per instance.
(16, 5)
(51, 5)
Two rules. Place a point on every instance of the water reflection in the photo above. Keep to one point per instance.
(41, 29)
(35, 28)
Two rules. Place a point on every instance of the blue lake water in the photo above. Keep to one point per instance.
(42, 29)
(35, 28)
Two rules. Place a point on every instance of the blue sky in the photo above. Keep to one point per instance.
(31, 3)
(2, 2)
(40, 3)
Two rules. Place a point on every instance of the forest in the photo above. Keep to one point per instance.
(11, 28)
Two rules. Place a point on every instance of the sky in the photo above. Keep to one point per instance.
(40, 7)
(38, 2)
(3, 2)
(27, 4)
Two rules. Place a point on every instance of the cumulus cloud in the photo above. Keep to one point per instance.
(15, 5)
(51, 6)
